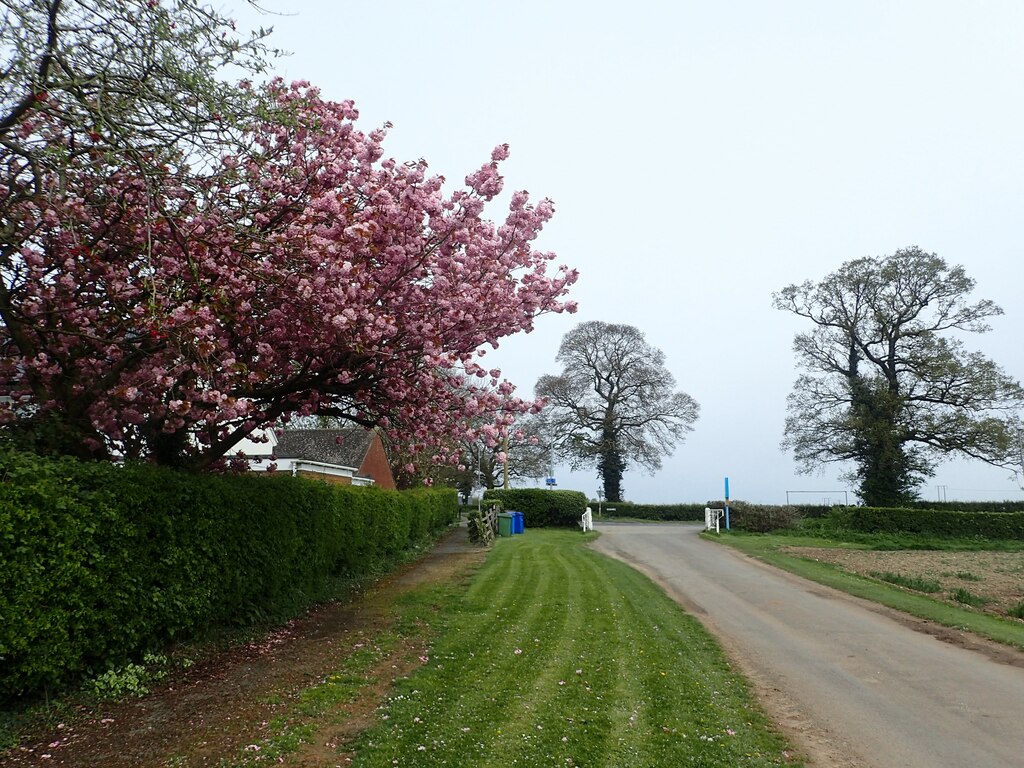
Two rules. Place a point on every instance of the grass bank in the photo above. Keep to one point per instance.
(767, 548)
(557, 655)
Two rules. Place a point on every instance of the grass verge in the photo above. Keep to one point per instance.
(766, 547)
(916, 583)
(557, 655)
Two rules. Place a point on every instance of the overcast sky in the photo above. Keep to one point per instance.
(701, 156)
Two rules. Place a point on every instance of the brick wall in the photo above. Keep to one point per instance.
(376, 465)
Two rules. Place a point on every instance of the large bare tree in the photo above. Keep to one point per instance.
(614, 403)
(888, 385)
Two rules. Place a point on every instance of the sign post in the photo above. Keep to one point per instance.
(727, 503)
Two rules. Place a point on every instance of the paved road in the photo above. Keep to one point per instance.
(852, 687)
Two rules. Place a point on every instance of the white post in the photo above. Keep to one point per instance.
(587, 521)
(713, 517)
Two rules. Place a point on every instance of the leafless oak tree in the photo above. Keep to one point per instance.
(614, 403)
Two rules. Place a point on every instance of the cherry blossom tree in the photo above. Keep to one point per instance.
(479, 455)
(94, 94)
(165, 316)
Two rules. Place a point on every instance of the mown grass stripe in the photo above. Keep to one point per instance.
(511, 618)
(652, 687)
(541, 643)
(562, 710)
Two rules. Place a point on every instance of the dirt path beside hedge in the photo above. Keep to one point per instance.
(223, 707)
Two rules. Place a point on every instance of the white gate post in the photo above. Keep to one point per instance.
(587, 521)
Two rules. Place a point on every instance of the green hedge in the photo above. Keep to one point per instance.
(665, 512)
(759, 518)
(100, 563)
(542, 508)
(695, 512)
(932, 522)
(970, 506)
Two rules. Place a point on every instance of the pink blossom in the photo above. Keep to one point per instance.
(302, 274)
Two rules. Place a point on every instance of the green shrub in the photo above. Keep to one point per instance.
(131, 679)
(762, 518)
(100, 563)
(541, 508)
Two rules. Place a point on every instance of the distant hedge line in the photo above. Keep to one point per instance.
(695, 512)
(665, 512)
(970, 506)
(541, 508)
(932, 522)
(957, 519)
(100, 563)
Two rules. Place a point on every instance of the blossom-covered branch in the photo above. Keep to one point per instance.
(167, 316)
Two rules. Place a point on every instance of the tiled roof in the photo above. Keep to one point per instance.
(342, 447)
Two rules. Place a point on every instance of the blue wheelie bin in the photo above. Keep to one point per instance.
(517, 521)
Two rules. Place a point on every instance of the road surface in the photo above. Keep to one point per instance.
(852, 687)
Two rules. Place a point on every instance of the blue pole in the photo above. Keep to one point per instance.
(727, 503)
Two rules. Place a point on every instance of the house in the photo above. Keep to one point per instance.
(349, 456)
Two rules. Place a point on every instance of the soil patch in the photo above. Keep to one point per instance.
(224, 706)
(996, 579)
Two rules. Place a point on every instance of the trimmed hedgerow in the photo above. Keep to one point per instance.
(970, 506)
(542, 508)
(932, 522)
(664, 512)
(100, 563)
(763, 518)
(768, 516)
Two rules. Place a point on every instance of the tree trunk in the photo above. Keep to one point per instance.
(611, 467)
(885, 471)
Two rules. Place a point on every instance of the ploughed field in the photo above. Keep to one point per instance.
(992, 582)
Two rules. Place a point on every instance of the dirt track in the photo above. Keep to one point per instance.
(851, 684)
(212, 712)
